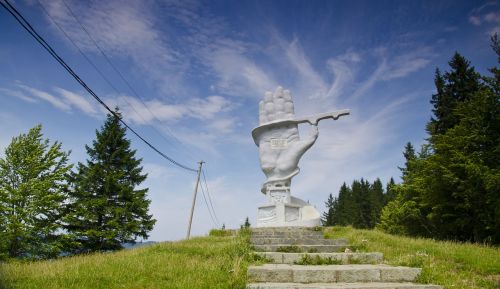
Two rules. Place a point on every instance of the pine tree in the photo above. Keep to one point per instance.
(329, 216)
(106, 208)
(409, 155)
(454, 87)
(376, 200)
(344, 212)
(390, 193)
(33, 186)
(450, 191)
(247, 224)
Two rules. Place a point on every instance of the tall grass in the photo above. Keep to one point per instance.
(222, 261)
(206, 262)
(451, 264)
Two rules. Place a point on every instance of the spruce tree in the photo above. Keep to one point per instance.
(107, 209)
(329, 215)
(453, 87)
(390, 193)
(409, 155)
(376, 200)
(33, 185)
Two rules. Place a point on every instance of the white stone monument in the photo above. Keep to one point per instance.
(280, 149)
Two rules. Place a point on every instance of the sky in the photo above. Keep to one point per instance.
(195, 72)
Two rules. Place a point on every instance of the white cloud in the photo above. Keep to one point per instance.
(487, 15)
(157, 172)
(77, 100)
(314, 83)
(476, 20)
(341, 68)
(238, 75)
(157, 110)
(55, 101)
(18, 94)
(126, 31)
(224, 125)
(403, 65)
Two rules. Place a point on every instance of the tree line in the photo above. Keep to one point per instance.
(450, 188)
(358, 205)
(49, 207)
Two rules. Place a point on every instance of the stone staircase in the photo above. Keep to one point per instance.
(292, 250)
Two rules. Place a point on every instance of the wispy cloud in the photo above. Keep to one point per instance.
(77, 100)
(392, 66)
(45, 96)
(156, 110)
(487, 15)
(18, 94)
(124, 31)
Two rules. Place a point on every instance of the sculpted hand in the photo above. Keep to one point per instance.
(280, 146)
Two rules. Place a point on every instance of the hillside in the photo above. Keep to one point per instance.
(221, 262)
(200, 263)
(451, 264)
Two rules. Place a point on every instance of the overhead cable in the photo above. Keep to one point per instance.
(216, 224)
(96, 68)
(29, 28)
(208, 193)
(127, 83)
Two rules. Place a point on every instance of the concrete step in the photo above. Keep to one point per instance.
(286, 232)
(331, 273)
(286, 229)
(297, 241)
(341, 258)
(300, 248)
(316, 235)
(375, 285)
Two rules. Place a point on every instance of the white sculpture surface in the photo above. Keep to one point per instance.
(280, 149)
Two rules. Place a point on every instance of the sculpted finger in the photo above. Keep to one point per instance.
(288, 105)
(262, 113)
(279, 103)
(269, 107)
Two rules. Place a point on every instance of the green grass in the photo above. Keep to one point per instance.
(206, 262)
(450, 264)
(221, 262)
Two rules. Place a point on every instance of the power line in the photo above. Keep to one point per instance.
(216, 224)
(29, 28)
(171, 134)
(97, 69)
(209, 198)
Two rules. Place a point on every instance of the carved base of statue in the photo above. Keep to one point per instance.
(283, 210)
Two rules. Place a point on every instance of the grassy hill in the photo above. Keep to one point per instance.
(221, 262)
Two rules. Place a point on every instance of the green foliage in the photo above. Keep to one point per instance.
(106, 209)
(359, 205)
(220, 233)
(32, 194)
(451, 190)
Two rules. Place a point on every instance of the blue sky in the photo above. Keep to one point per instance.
(202, 67)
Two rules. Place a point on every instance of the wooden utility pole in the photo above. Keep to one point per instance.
(194, 200)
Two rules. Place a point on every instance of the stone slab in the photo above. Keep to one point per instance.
(344, 258)
(331, 273)
(296, 241)
(374, 285)
(302, 248)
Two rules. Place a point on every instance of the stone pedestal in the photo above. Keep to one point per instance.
(283, 210)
